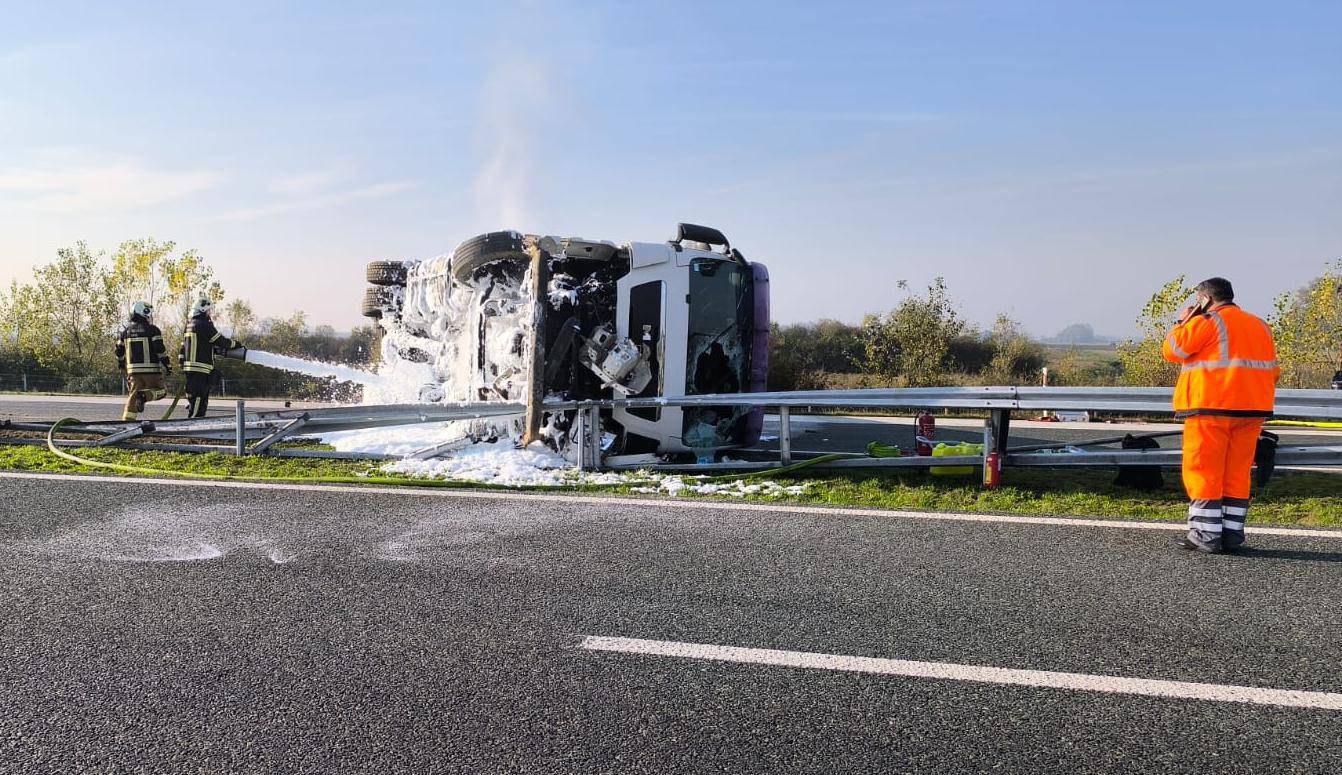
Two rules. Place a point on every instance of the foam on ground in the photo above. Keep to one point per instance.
(503, 464)
(499, 463)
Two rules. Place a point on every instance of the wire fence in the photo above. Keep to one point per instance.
(297, 389)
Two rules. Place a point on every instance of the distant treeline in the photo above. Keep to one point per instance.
(57, 334)
(924, 342)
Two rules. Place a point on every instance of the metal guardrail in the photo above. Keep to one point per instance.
(1305, 404)
(257, 425)
(999, 402)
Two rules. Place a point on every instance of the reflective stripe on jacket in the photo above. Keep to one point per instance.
(1228, 364)
(140, 348)
(200, 342)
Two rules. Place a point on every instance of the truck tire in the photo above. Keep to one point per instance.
(375, 301)
(386, 273)
(478, 252)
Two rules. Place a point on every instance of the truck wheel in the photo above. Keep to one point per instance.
(478, 252)
(386, 273)
(375, 302)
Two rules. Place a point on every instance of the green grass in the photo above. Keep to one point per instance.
(185, 463)
(1313, 500)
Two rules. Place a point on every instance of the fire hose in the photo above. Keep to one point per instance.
(375, 480)
(146, 471)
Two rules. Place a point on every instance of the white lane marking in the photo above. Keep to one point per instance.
(950, 671)
(706, 505)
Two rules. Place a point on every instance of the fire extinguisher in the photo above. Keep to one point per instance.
(927, 432)
(992, 470)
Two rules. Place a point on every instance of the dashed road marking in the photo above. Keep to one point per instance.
(950, 671)
(679, 503)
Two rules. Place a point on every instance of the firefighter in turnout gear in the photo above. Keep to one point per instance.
(201, 342)
(143, 359)
(1227, 386)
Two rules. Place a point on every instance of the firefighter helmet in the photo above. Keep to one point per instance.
(203, 304)
(142, 308)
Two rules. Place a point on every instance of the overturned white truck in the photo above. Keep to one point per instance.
(527, 319)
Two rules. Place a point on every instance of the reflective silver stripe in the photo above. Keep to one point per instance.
(1174, 348)
(1235, 511)
(1193, 511)
(1206, 527)
(1233, 525)
(1222, 336)
(1237, 363)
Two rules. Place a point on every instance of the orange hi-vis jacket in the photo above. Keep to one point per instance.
(1229, 364)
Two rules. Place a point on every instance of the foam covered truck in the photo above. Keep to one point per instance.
(525, 318)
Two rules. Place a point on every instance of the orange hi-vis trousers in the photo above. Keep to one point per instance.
(1217, 468)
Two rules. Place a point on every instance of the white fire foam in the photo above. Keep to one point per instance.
(314, 368)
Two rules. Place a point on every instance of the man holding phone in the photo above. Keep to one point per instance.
(1227, 386)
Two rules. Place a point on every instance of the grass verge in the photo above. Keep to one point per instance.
(1310, 500)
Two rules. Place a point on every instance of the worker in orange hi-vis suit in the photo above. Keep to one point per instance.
(1227, 385)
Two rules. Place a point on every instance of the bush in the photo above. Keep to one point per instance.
(1143, 364)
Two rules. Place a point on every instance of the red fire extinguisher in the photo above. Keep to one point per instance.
(927, 432)
(992, 470)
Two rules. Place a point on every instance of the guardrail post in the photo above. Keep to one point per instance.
(580, 437)
(588, 434)
(784, 435)
(1001, 430)
(240, 430)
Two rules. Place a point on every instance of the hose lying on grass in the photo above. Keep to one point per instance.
(382, 480)
(146, 471)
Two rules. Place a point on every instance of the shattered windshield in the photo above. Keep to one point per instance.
(721, 319)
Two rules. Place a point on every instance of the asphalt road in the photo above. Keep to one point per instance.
(187, 627)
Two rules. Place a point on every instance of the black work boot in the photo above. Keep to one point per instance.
(1199, 541)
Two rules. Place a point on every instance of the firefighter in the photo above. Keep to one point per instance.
(143, 360)
(201, 342)
(1227, 385)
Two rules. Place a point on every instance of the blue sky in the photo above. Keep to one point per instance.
(1056, 161)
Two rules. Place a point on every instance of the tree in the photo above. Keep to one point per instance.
(1307, 327)
(360, 347)
(1016, 357)
(283, 335)
(240, 319)
(137, 266)
(911, 343)
(802, 354)
(1076, 333)
(189, 277)
(151, 270)
(68, 317)
(1143, 364)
